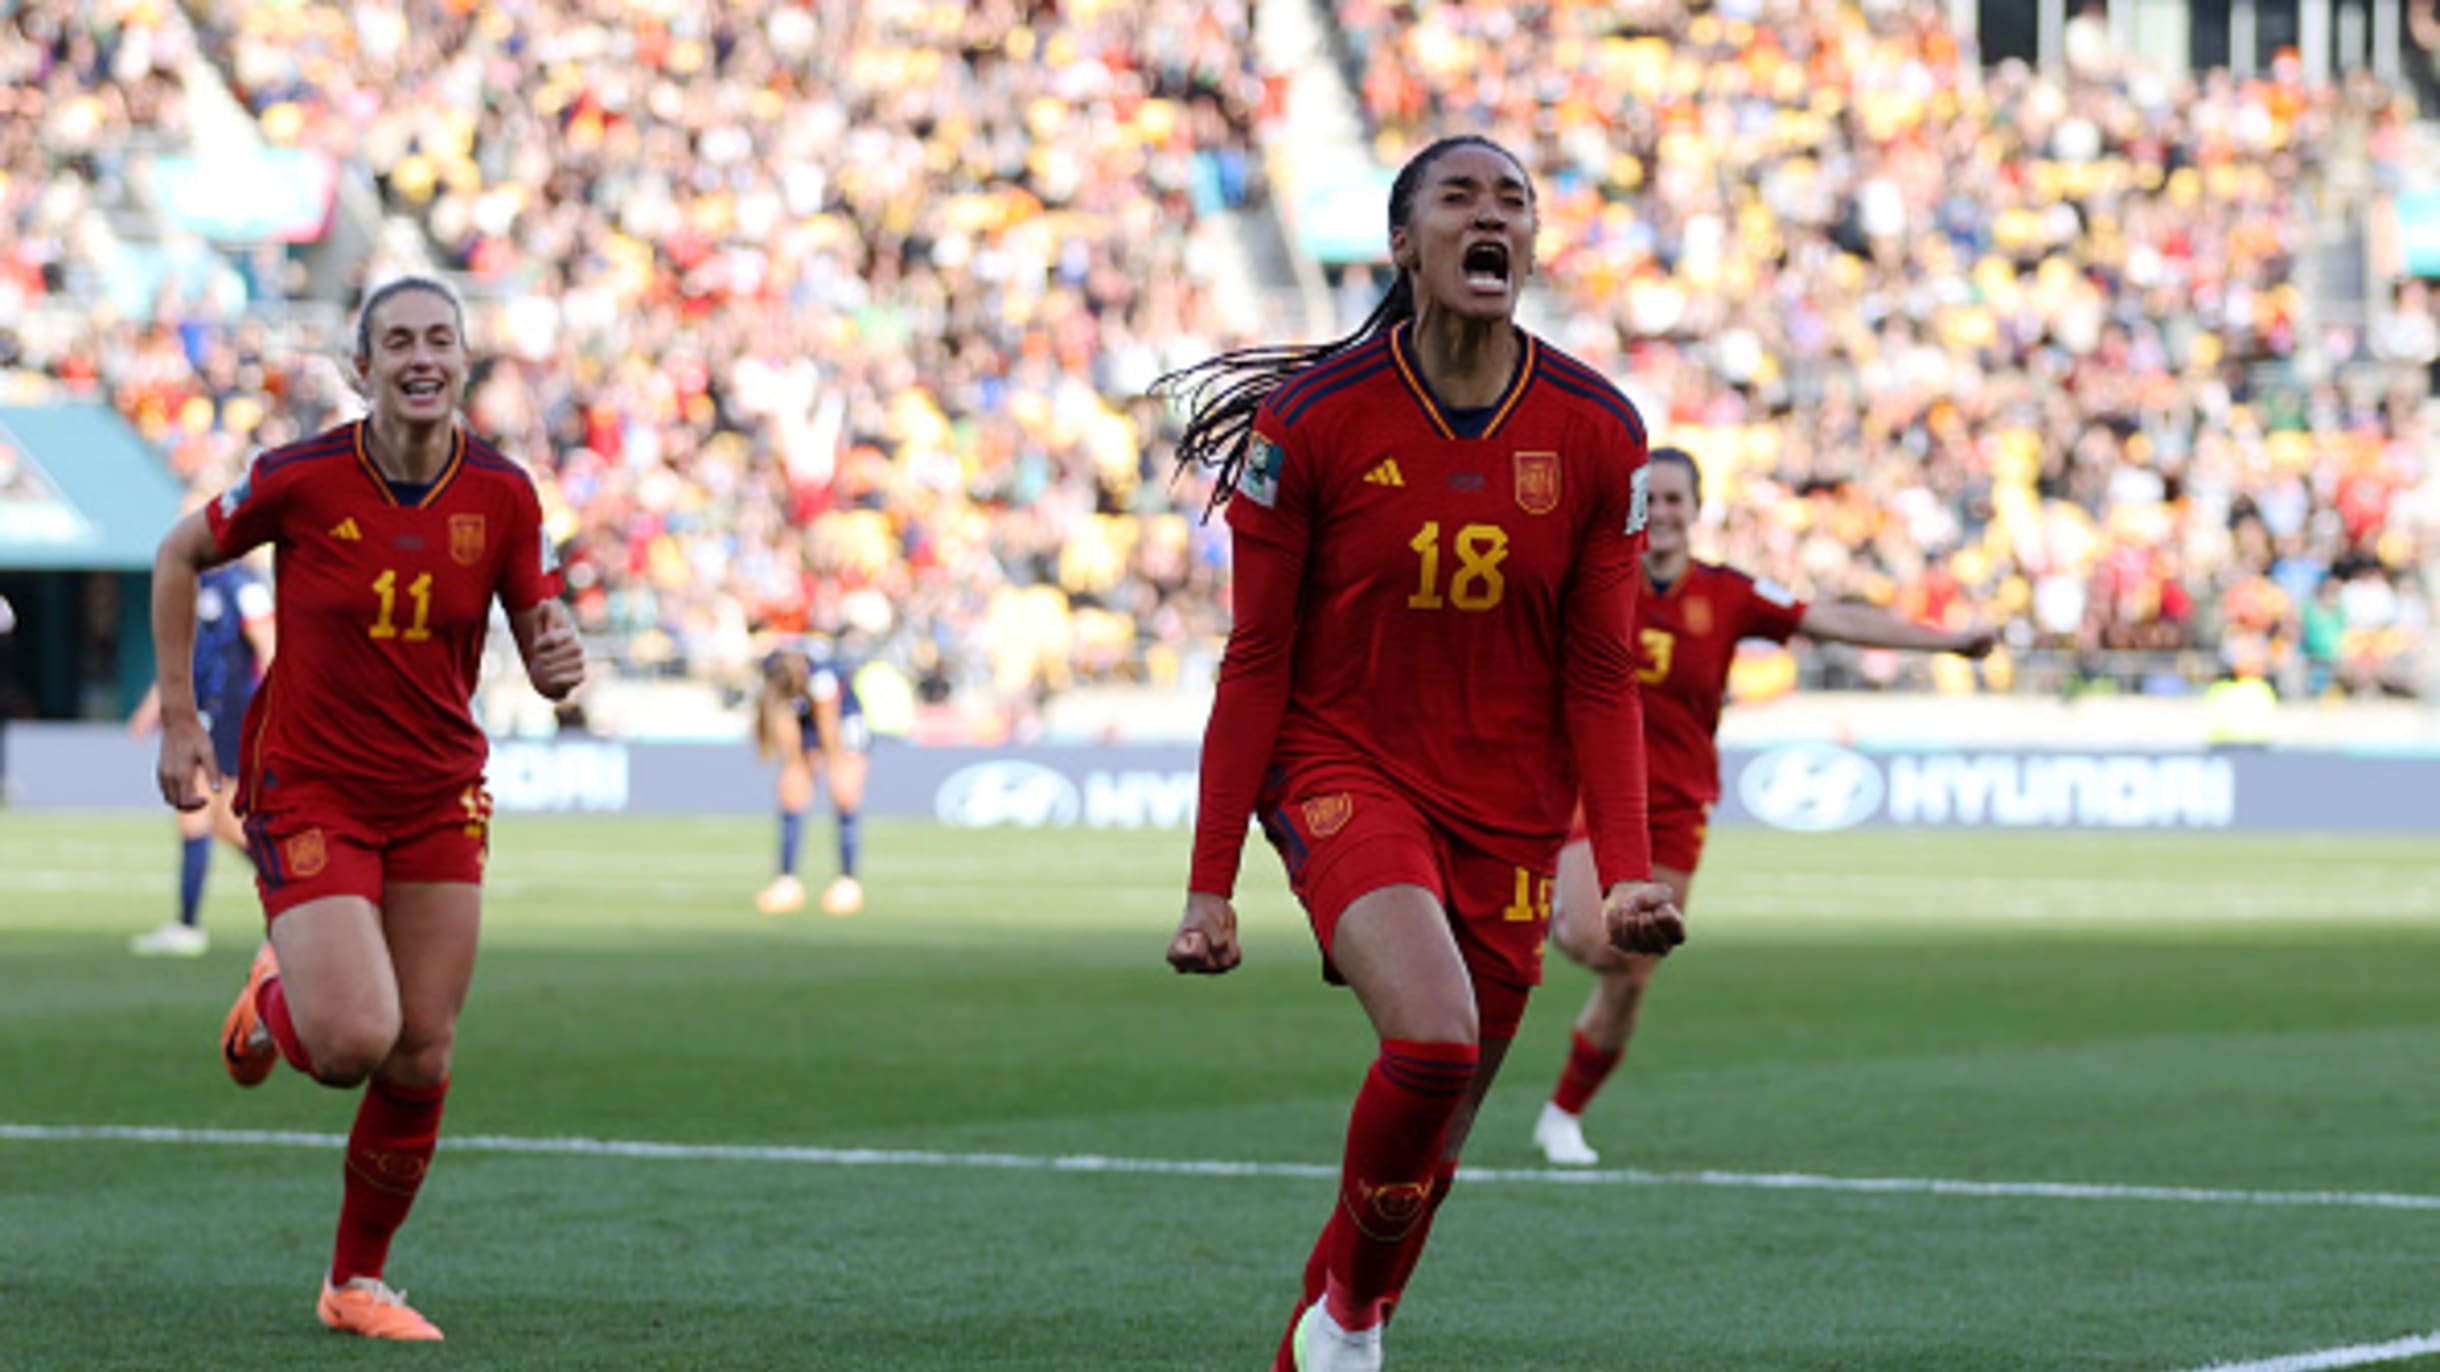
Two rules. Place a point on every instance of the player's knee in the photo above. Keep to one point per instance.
(425, 1064)
(347, 1053)
(347, 1060)
(1450, 1023)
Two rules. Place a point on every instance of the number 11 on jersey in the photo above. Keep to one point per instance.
(419, 590)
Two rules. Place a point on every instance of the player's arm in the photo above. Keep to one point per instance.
(546, 640)
(1869, 627)
(1269, 539)
(186, 749)
(826, 723)
(529, 588)
(825, 690)
(1604, 715)
(776, 734)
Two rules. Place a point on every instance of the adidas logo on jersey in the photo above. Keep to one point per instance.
(345, 531)
(1386, 474)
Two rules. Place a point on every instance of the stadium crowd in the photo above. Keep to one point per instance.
(839, 316)
(1946, 335)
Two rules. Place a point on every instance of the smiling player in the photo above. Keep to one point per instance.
(361, 769)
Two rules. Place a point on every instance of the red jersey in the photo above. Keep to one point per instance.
(382, 608)
(1446, 597)
(1686, 637)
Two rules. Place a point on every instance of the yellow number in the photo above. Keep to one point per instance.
(1478, 585)
(419, 590)
(1532, 901)
(478, 810)
(1481, 548)
(1659, 646)
(385, 586)
(1427, 543)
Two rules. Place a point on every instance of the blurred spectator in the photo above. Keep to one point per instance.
(820, 315)
(1944, 335)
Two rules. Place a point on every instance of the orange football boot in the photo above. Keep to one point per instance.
(246, 1048)
(365, 1306)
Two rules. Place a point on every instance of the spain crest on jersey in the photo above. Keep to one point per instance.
(465, 539)
(1326, 815)
(307, 853)
(1537, 482)
(1263, 461)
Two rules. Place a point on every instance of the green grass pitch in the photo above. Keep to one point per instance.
(2238, 1018)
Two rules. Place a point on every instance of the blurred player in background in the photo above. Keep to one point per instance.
(361, 776)
(233, 646)
(1688, 623)
(810, 719)
(1436, 524)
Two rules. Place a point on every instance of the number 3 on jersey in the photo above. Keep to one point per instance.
(419, 590)
(1659, 647)
(1478, 584)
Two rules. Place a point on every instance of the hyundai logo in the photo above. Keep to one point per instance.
(1026, 795)
(1811, 787)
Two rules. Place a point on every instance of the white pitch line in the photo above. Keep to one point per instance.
(2360, 1355)
(1209, 1167)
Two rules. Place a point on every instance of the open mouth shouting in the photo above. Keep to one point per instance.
(1487, 267)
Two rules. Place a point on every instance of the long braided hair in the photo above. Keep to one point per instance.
(1222, 393)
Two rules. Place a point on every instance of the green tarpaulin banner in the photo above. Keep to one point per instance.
(79, 491)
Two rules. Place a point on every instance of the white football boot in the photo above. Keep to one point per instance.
(1560, 1136)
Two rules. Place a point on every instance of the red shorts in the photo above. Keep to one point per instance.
(1343, 832)
(305, 851)
(1677, 834)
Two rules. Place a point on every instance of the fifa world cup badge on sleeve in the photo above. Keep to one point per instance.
(1262, 463)
(1639, 500)
(236, 495)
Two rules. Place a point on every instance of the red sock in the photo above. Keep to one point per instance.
(387, 1152)
(1411, 1252)
(1317, 1266)
(271, 1007)
(1334, 1234)
(1394, 1141)
(1587, 1067)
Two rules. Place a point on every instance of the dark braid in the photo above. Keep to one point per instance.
(1223, 393)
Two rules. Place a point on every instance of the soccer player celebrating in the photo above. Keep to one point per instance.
(810, 720)
(233, 646)
(1436, 523)
(361, 773)
(1688, 623)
